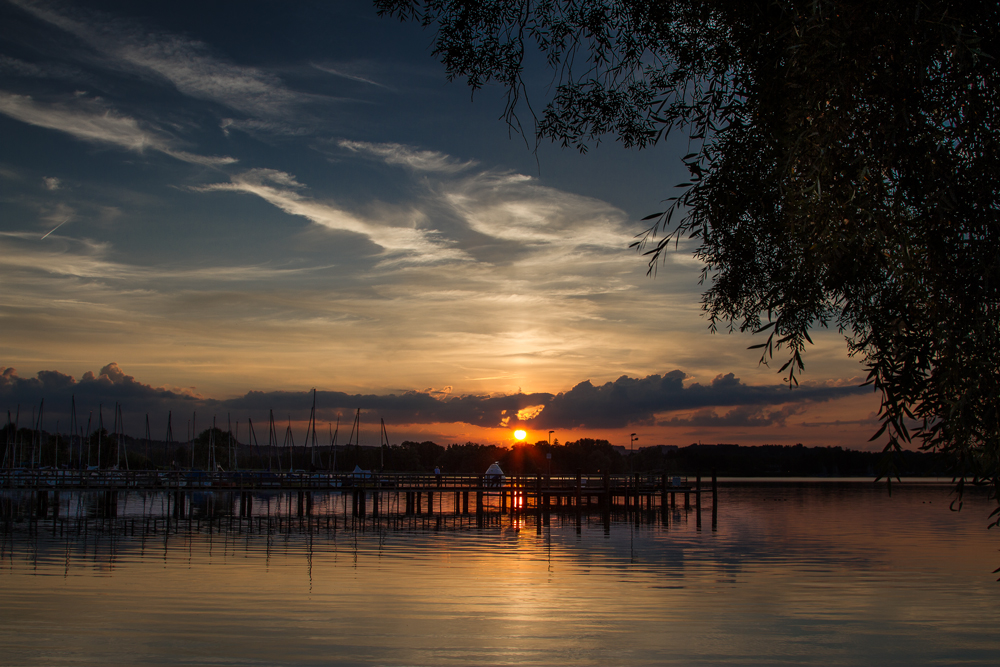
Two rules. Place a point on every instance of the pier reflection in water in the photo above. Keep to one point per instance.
(813, 573)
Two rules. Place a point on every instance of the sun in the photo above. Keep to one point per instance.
(520, 435)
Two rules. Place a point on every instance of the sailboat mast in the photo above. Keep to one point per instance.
(290, 444)
(73, 428)
(36, 438)
(272, 437)
(170, 435)
(253, 437)
(118, 438)
(333, 446)
(194, 430)
(312, 424)
(90, 417)
(123, 447)
(382, 436)
(212, 463)
(6, 445)
(100, 432)
(17, 438)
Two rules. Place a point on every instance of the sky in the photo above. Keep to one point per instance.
(209, 210)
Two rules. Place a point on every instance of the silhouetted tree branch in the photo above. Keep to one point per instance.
(843, 171)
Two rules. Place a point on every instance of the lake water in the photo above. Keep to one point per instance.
(815, 573)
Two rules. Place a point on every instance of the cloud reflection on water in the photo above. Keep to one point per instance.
(825, 573)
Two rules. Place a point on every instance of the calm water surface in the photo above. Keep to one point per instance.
(821, 573)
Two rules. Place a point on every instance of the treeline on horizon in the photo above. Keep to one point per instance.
(588, 456)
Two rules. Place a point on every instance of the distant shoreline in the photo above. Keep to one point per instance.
(823, 479)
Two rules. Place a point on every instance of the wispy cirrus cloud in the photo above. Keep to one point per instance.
(401, 243)
(523, 220)
(406, 156)
(514, 207)
(90, 120)
(89, 260)
(507, 206)
(190, 65)
(347, 75)
(489, 217)
(16, 67)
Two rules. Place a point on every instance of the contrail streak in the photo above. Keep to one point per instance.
(55, 228)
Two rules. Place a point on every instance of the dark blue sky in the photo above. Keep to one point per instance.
(225, 197)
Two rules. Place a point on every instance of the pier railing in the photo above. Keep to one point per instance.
(369, 493)
(28, 478)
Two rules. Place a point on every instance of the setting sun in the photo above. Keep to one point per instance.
(520, 435)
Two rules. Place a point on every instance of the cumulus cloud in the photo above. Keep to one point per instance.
(92, 121)
(631, 401)
(742, 416)
(51, 183)
(530, 412)
(409, 407)
(110, 385)
(625, 402)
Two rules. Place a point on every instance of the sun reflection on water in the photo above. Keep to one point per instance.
(842, 575)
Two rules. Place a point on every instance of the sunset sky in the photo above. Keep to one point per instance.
(216, 207)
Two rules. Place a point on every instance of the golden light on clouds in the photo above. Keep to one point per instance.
(529, 412)
(389, 266)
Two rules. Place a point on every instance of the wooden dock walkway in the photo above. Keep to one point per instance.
(414, 493)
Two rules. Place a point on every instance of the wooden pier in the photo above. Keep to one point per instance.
(413, 493)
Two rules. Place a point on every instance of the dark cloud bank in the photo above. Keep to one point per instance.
(619, 404)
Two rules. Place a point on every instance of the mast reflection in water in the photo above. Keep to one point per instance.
(794, 573)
